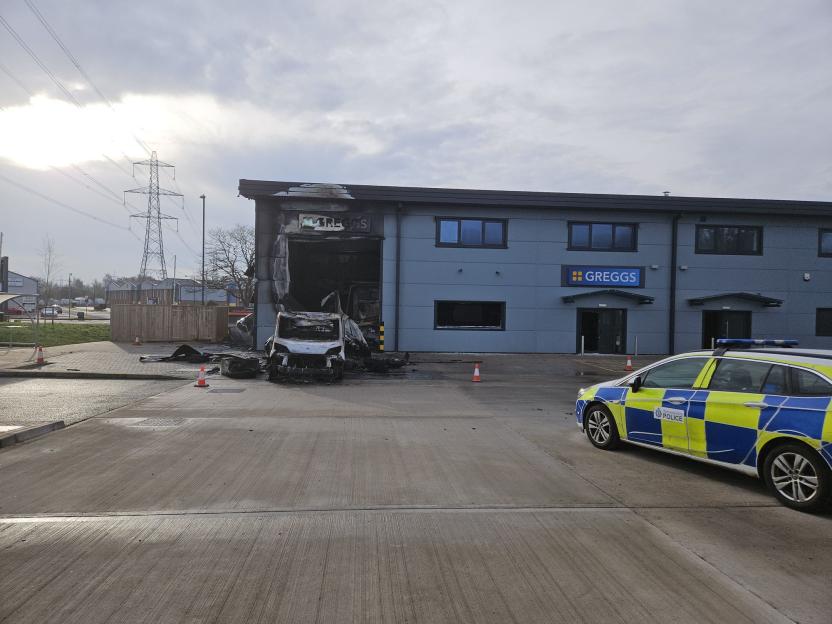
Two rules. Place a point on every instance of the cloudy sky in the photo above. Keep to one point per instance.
(611, 96)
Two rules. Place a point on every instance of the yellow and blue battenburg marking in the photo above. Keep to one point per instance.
(728, 427)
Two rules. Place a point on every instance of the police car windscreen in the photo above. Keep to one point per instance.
(324, 330)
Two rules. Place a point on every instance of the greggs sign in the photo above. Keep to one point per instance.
(620, 277)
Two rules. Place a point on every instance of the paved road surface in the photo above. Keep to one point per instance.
(32, 401)
(417, 499)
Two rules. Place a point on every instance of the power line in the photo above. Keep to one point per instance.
(77, 64)
(84, 173)
(52, 200)
(14, 79)
(87, 186)
(40, 63)
(67, 93)
(117, 166)
(182, 240)
(96, 182)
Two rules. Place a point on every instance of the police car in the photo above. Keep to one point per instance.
(759, 406)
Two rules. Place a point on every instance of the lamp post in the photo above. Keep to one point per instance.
(202, 197)
(69, 299)
(174, 279)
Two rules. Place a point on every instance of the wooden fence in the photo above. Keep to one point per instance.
(168, 323)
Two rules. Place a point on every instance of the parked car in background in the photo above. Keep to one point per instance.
(51, 311)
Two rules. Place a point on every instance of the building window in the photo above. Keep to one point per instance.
(602, 236)
(823, 322)
(825, 243)
(469, 314)
(471, 232)
(729, 240)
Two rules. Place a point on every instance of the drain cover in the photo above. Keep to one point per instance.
(160, 422)
(227, 390)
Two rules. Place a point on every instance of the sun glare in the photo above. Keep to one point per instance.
(47, 132)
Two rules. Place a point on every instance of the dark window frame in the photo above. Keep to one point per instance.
(821, 232)
(438, 327)
(483, 221)
(736, 360)
(705, 360)
(716, 252)
(817, 315)
(633, 248)
(791, 377)
(793, 383)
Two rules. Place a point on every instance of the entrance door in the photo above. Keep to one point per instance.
(604, 330)
(718, 324)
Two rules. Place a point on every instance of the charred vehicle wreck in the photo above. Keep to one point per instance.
(321, 345)
(307, 344)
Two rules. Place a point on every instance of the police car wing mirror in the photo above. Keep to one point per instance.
(636, 383)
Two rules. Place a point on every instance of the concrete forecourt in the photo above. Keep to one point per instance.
(414, 498)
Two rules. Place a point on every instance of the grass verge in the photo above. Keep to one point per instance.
(53, 335)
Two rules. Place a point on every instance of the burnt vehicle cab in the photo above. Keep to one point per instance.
(307, 344)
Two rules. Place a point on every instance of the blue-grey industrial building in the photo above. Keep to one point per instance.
(505, 271)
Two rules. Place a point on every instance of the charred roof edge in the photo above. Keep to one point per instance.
(265, 189)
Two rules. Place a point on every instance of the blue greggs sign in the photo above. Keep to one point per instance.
(620, 277)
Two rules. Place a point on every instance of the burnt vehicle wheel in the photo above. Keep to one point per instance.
(272, 370)
(600, 428)
(798, 477)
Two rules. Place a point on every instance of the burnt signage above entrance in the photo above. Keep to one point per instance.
(594, 276)
(335, 223)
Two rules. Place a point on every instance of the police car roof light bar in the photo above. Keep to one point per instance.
(755, 342)
(724, 344)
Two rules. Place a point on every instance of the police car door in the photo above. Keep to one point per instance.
(739, 392)
(657, 412)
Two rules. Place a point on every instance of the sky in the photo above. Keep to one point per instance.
(728, 99)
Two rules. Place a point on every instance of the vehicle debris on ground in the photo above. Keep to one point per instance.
(230, 365)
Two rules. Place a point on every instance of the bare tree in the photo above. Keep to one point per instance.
(50, 264)
(230, 258)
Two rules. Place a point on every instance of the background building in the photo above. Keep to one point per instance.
(505, 271)
(11, 282)
(165, 292)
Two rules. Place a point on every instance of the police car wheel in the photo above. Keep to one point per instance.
(798, 477)
(600, 428)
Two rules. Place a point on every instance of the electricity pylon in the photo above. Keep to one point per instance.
(154, 247)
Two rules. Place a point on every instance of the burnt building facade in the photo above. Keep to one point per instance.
(503, 271)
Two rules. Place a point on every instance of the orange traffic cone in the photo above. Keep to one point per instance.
(476, 377)
(200, 378)
(629, 365)
(137, 342)
(40, 360)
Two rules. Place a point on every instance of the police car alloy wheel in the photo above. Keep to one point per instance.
(600, 427)
(797, 477)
